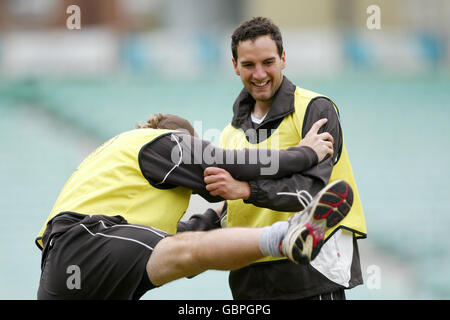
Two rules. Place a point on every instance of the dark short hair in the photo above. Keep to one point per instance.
(254, 28)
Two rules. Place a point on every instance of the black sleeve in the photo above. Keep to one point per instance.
(200, 222)
(264, 192)
(180, 159)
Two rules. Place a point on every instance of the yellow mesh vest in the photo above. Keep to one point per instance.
(288, 134)
(110, 182)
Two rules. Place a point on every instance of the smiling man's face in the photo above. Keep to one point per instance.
(260, 67)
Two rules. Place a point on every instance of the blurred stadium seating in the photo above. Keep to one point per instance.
(58, 101)
(394, 128)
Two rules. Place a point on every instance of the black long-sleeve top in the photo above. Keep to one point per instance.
(179, 159)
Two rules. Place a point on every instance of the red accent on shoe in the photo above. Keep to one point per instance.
(342, 195)
(315, 233)
(332, 204)
(279, 247)
(323, 216)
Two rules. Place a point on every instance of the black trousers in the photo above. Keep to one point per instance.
(96, 257)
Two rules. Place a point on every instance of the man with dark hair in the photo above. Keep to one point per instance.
(252, 29)
(112, 224)
(271, 112)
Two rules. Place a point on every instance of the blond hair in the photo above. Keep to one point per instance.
(167, 121)
(152, 122)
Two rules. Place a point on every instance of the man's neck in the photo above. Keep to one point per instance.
(261, 108)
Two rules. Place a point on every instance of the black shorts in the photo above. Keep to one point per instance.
(96, 257)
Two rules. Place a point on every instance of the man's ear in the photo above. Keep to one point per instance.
(283, 60)
(235, 65)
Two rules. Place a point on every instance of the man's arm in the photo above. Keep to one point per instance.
(163, 167)
(263, 192)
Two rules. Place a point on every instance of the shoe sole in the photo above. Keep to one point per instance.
(332, 205)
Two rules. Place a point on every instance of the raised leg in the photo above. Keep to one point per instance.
(190, 253)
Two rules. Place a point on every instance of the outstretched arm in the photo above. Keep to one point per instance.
(263, 192)
(180, 160)
(221, 183)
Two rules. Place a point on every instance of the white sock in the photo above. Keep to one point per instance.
(270, 239)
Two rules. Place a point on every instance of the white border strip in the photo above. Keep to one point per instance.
(116, 237)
